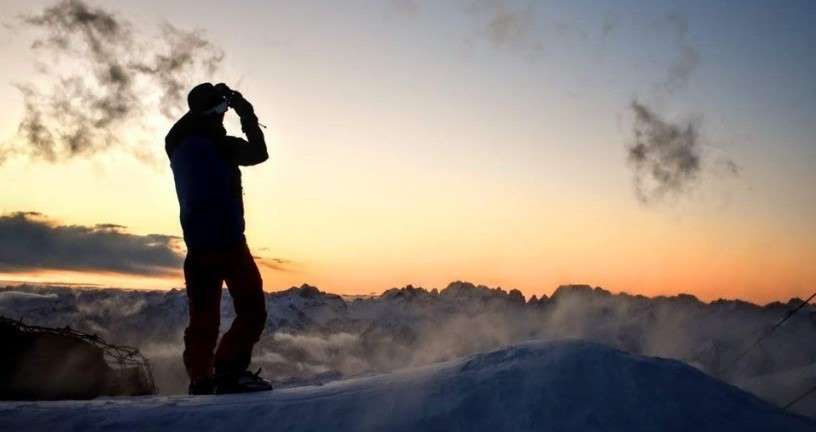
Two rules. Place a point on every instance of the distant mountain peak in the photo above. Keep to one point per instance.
(578, 290)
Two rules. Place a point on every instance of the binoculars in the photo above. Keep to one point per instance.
(225, 93)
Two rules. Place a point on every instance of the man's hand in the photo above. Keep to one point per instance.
(242, 106)
(251, 151)
(236, 101)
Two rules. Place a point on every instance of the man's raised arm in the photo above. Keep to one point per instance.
(251, 151)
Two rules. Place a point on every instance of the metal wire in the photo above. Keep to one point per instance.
(800, 397)
(767, 333)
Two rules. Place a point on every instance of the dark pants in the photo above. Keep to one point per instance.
(204, 273)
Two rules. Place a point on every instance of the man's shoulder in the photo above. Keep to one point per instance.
(193, 148)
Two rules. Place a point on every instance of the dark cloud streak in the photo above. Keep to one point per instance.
(29, 241)
(665, 157)
(278, 264)
(83, 107)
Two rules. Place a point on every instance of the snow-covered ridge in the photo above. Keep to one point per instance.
(313, 333)
(533, 386)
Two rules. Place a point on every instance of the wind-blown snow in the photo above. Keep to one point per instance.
(542, 386)
(312, 333)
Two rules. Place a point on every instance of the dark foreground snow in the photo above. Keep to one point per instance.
(543, 386)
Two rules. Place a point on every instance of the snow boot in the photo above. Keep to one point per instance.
(241, 382)
(202, 386)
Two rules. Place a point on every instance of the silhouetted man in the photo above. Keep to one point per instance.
(205, 163)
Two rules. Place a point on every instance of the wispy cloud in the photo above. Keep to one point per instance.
(505, 24)
(667, 157)
(279, 264)
(687, 59)
(115, 76)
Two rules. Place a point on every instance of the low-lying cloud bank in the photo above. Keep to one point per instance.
(32, 242)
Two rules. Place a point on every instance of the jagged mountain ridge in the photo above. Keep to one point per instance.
(311, 332)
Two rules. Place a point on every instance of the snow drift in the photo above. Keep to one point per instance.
(544, 386)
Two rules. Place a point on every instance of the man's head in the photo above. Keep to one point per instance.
(207, 100)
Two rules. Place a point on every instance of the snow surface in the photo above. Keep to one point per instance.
(545, 386)
(312, 334)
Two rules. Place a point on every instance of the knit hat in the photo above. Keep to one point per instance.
(203, 98)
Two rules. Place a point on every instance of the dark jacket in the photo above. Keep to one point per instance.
(205, 163)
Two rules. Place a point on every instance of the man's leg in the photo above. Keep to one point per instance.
(246, 288)
(204, 299)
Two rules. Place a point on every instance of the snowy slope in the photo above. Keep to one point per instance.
(313, 333)
(545, 386)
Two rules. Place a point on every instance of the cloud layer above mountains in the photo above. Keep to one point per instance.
(32, 242)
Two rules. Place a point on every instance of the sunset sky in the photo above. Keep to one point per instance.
(422, 142)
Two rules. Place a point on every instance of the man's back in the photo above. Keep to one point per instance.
(205, 164)
(208, 186)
